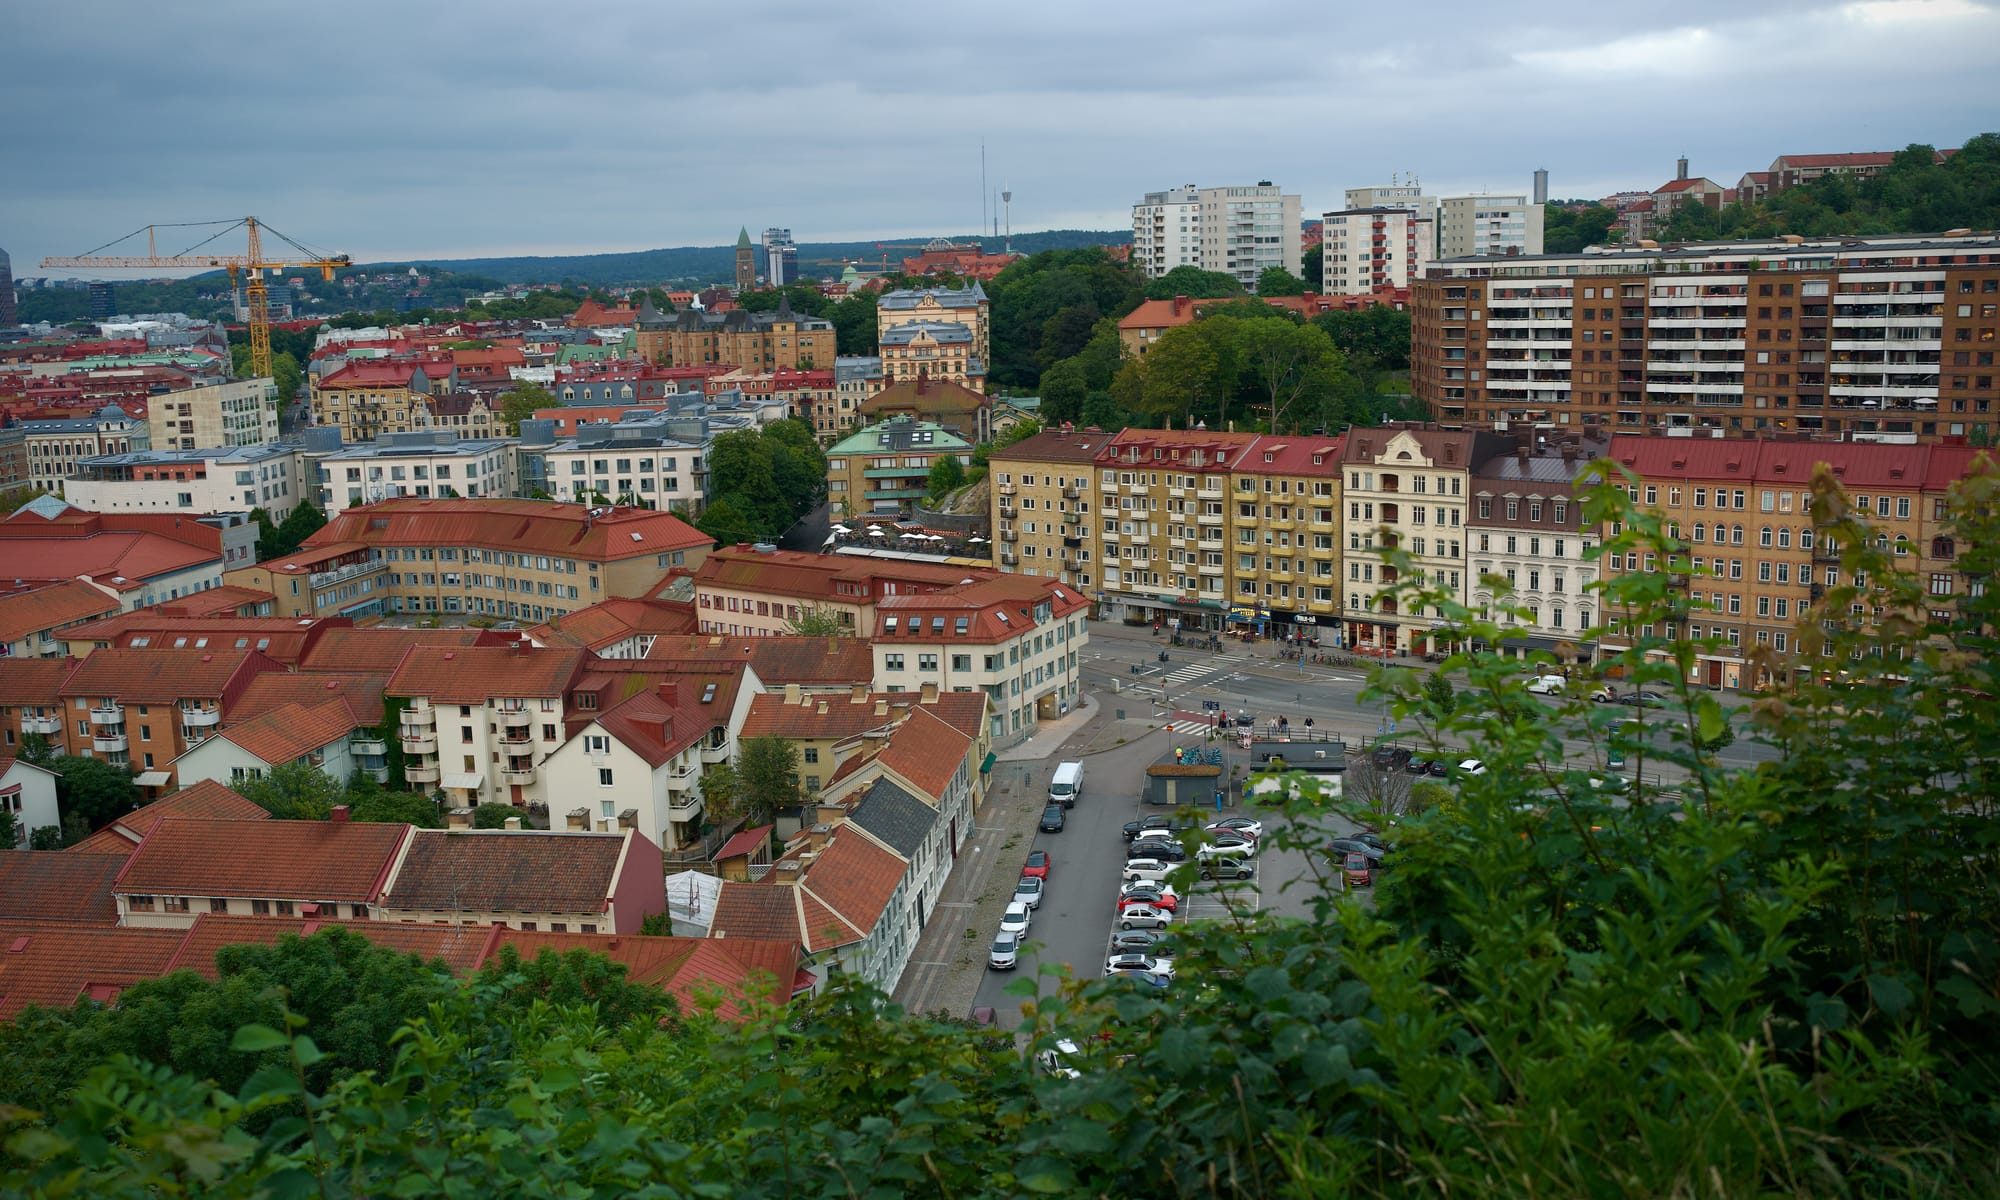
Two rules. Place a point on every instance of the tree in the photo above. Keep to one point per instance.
(1312, 265)
(816, 620)
(493, 816)
(1276, 281)
(37, 749)
(92, 790)
(294, 791)
(47, 837)
(572, 978)
(1293, 366)
(768, 773)
(1194, 283)
(854, 325)
(522, 401)
(1064, 387)
(1568, 230)
(947, 476)
(302, 522)
(10, 830)
(1180, 373)
(381, 805)
(721, 795)
(1442, 695)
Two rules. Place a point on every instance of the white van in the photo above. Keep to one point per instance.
(1067, 784)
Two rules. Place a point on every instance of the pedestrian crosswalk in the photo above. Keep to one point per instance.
(1201, 672)
(1196, 727)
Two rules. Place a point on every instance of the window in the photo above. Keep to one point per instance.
(604, 777)
(812, 754)
(892, 662)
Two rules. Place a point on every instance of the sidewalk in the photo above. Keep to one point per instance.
(946, 966)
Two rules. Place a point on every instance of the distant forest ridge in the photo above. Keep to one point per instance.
(718, 263)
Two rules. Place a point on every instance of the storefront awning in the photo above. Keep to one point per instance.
(1379, 622)
(987, 766)
(153, 778)
(469, 780)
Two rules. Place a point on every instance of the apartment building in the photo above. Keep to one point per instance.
(1407, 487)
(635, 460)
(882, 470)
(1283, 556)
(1368, 249)
(855, 379)
(54, 448)
(477, 721)
(1162, 509)
(1488, 225)
(963, 411)
(196, 482)
(829, 729)
(944, 333)
(1756, 561)
(1526, 527)
(144, 708)
(461, 416)
(758, 341)
(188, 868)
(1395, 195)
(143, 558)
(1042, 496)
(319, 736)
(238, 413)
(533, 879)
(523, 560)
(1013, 637)
(35, 616)
(1856, 337)
(745, 591)
(1238, 231)
(367, 398)
(422, 464)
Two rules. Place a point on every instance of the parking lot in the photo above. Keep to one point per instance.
(1077, 915)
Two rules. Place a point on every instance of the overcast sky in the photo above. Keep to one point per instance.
(430, 130)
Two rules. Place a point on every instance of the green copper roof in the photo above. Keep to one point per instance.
(743, 238)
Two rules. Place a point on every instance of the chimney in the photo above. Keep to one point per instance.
(340, 814)
(881, 708)
(1180, 305)
(1681, 167)
(522, 647)
(513, 823)
(461, 818)
(792, 693)
(818, 836)
(670, 691)
(829, 815)
(929, 694)
(858, 694)
(578, 819)
(786, 872)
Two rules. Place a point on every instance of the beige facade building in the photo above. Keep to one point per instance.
(524, 560)
(881, 470)
(1043, 498)
(239, 413)
(945, 333)
(54, 448)
(370, 397)
(755, 341)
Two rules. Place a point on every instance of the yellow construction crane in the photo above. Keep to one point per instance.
(249, 266)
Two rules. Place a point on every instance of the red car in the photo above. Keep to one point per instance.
(1359, 869)
(1153, 896)
(1038, 864)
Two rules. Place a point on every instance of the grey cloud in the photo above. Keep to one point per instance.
(394, 130)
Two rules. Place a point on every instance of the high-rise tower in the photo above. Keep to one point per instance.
(8, 317)
(746, 261)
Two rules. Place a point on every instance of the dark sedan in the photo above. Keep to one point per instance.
(1052, 819)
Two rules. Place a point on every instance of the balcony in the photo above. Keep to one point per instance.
(518, 771)
(326, 579)
(1071, 493)
(425, 716)
(200, 718)
(683, 804)
(368, 744)
(517, 737)
(41, 725)
(1208, 493)
(109, 740)
(516, 718)
(1110, 484)
(419, 743)
(1279, 523)
(113, 715)
(1009, 559)
(1208, 518)
(1005, 489)
(1008, 510)
(1009, 535)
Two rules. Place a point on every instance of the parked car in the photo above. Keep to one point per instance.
(1343, 846)
(1643, 699)
(1144, 916)
(1142, 980)
(1547, 685)
(1061, 1060)
(1157, 845)
(1015, 920)
(1162, 823)
(1149, 963)
(1418, 766)
(1389, 758)
(1157, 895)
(1135, 941)
(1228, 845)
(1145, 870)
(1471, 766)
(1028, 891)
(1440, 769)
(1052, 819)
(1358, 869)
(1227, 868)
(1247, 826)
(1005, 952)
(1371, 839)
(1037, 864)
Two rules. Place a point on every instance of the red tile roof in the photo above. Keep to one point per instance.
(658, 727)
(1681, 185)
(795, 573)
(283, 639)
(764, 911)
(845, 889)
(33, 680)
(609, 622)
(273, 690)
(164, 676)
(55, 967)
(695, 971)
(227, 600)
(299, 860)
(491, 870)
(927, 752)
(51, 885)
(208, 798)
(292, 731)
(533, 526)
(1055, 446)
(1160, 314)
(1292, 455)
(1176, 447)
(745, 842)
(475, 674)
(824, 662)
(373, 373)
(35, 607)
(378, 651)
(998, 609)
(124, 562)
(1865, 158)
(819, 715)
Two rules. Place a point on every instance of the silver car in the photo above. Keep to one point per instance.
(1028, 891)
(1005, 953)
(1015, 920)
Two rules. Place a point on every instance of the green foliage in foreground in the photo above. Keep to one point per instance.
(1772, 981)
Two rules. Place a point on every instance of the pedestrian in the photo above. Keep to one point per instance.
(1309, 722)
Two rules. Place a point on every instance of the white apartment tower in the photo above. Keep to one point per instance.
(1239, 231)
(1469, 225)
(1364, 249)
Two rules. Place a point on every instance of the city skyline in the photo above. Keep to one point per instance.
(583, 138)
